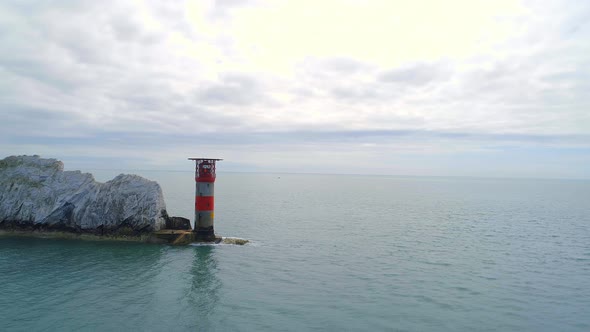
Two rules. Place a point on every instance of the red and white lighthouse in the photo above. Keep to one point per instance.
(204, 199)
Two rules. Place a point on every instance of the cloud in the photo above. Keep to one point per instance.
(233, 90)
(293, 75)
(416, 74)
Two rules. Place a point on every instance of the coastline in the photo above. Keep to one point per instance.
(176, 239)
(144, 238)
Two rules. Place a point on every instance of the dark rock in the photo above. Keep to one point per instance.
(178, 223)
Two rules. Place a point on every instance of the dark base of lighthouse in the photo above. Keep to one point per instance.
(205, 234)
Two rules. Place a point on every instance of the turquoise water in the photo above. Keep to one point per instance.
(328, 252)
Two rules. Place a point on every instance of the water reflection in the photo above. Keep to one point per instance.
(204, 292)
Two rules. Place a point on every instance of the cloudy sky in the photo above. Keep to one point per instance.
(467, 87)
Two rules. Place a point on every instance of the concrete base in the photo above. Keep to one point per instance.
(165, 236)
(184, 237)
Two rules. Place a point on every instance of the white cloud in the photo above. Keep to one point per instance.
(91, 69)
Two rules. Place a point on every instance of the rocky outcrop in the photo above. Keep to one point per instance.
(178, 223)
(37, 194)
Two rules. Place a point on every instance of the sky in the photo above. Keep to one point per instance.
(438, 88)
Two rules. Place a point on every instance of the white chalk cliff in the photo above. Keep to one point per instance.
(36, 193)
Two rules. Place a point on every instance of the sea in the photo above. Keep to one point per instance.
(327, 253)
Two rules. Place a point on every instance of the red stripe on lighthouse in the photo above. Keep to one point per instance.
(204, 203)
(205, 178)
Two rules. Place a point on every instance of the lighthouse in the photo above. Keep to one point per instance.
(204, 199)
